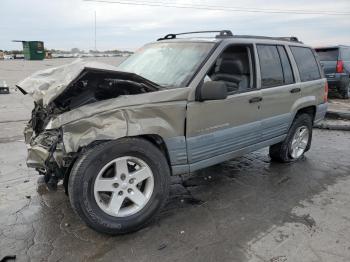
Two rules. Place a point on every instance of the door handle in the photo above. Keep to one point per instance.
(255, 99)
(295, 90)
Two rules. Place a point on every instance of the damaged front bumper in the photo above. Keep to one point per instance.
(44, 148)
(46, 155)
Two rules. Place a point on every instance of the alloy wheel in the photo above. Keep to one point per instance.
(299, 142)
(124, 186)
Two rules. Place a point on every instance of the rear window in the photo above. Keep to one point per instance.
(329, 54)
(306, 62)
(275, 66)
(270, 66)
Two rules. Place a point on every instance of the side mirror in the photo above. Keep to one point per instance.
(213, 90)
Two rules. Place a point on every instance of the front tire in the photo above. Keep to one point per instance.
(118, 187)
(297, 142)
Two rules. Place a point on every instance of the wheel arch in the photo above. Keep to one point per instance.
(305, 105)
(311, 110)
(159, 142)
(155, 139)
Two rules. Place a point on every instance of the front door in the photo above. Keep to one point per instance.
(217, 130)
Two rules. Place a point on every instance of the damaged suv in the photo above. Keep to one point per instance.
(115, 135)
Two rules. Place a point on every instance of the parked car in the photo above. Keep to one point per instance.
(116, 135)
(4, 88)
(336, 64)
(18, 56)
(8, 57)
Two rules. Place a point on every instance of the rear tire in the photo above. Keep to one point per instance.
(345, 91)
(297, 142)
(118, 187)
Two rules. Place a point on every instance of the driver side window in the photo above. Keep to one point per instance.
(234, 68)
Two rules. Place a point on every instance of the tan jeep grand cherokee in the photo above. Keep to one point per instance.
(115, 135)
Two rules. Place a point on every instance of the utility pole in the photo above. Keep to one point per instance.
(95, 32)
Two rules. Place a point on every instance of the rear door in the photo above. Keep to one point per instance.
(279, 90)
(312, 85)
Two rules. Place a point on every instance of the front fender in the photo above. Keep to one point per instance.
(106, 126)
(164, 119)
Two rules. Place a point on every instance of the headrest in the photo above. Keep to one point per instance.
(236, 56)
(231, 67)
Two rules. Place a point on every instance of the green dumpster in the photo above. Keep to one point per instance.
(33, 50)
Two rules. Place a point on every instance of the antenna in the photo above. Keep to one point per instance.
(95, 32)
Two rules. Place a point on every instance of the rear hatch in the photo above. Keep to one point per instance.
(328, 58)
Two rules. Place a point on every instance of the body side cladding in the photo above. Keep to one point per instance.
(230, 155)
(222, 141)
(276, 126)
(213, 148)
(177, 150)
(320, 113)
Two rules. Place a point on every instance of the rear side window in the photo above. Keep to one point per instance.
(328, 54)
(287, 69)
(270, 66)
(306, 62)
(345, 54)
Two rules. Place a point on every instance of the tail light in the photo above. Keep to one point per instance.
(325, 95)
(340, 66)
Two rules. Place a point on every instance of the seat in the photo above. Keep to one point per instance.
(232, 70)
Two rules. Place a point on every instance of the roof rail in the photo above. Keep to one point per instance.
(228, 34)
(289, 38)
(283, 38)
(222, 34)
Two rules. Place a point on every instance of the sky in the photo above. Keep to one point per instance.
(66, 24)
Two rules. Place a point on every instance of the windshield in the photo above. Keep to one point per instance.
(167, 64)
(329, 54)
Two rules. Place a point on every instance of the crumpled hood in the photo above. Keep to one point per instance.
(46, 85)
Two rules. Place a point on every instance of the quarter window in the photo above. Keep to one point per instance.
(306, 62)
(270, 66)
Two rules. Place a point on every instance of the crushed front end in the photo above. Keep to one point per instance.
(69, 104)
(45, 148)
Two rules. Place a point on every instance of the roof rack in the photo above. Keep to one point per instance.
(282, 38)
(228, 34)
(289, 38)
(222, 34)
